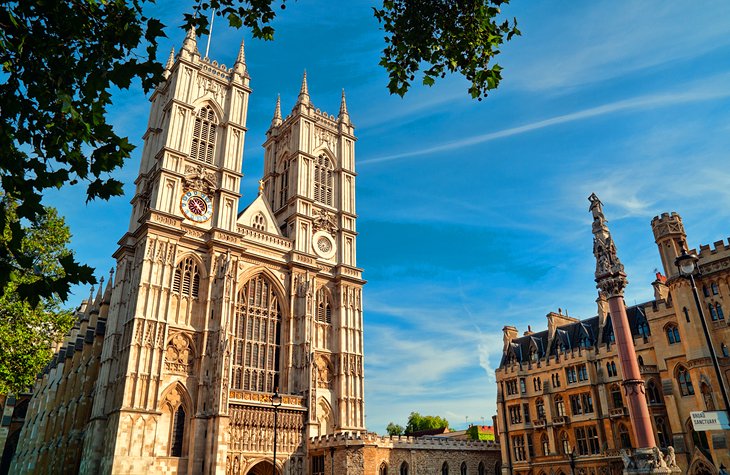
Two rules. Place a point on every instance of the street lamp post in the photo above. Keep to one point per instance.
(687, 265)
(275, 403)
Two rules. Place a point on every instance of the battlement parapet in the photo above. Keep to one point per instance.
(401, 442)
(667, 224)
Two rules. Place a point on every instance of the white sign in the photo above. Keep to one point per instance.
(710, 420)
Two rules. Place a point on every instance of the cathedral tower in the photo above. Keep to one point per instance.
(213, 311)
(309, 183)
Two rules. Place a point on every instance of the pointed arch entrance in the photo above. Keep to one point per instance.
(262, 468)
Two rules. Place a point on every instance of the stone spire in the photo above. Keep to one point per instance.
(239, 67)
(190, 44)
(276, 121)
(109, 285)
(304, 91)
(170, 62)
(344, 116)
(610, 275)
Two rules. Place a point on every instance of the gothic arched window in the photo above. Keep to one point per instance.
(324, 307)
(257, 329)
(663, 435)
(445, 469)
(713, 312)
(718, 310)
(685, 382)
(672, 334)
(323, 181)
(545, 443)
(178, 431)
(618, 400)
(481, 470)
(186, 280)
(404, 468)
(565, 443)
(259, 222)
(643, 329)
(559, 406)
(715, 288)
(652, 393)
(624, 437)
(383, 469)
(204, 135)
(463, 468)
(284, 183)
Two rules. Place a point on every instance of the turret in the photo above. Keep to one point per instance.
(670, 238)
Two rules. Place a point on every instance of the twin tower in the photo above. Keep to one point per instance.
(213, 310)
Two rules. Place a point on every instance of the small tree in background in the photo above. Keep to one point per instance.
(28, 331)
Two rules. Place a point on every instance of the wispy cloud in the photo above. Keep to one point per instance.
(641, 102)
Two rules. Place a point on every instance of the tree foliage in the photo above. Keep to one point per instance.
(440, 36)
(61, 60)
(27, 331)
(394, 429)
(417, 422)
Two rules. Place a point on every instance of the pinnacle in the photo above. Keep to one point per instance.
(304, 91)
(241, 54)
(344, 116)
(276, 121)
(190, 44)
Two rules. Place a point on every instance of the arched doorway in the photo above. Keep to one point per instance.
(700, 467)
(262, 468)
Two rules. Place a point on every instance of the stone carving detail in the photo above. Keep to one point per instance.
(251, 429)
(323, 136)
(179, 354)
(323, 373)
(325, 221)
(199, 179)
(610, 276)
(670, 459)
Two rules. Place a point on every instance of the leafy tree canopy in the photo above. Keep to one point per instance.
(28, 331)
(417, 422)
(394, 429)
(61, 60)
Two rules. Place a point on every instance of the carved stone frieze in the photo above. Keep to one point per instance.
(179, 354)
(197, 178)
(325, 221)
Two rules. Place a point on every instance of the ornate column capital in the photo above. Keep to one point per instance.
(610, 275)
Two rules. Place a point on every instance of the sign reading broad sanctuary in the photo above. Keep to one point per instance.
(710, 420)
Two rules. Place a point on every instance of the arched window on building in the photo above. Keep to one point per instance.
(545, 444)
(616, 397)
(624, 437)
(324, 307)
(707, 396)
(383, 469)
(540, 408)
(204, 132)
(611, 369)
(643, 329)
(685, 381)
(463, 468)
(559, 406)
(663, 435)
(257, 336)
(404, 468)
(713, 312)
(720, 313)
(481, 470)
(641, 360)
(323, 181)
(177, 433)
(564, 443)
(186, 280)
(652, 393)
(715, 288)
(445, 469)
(284, 183)
(725, 351)
(705, 291)
(258, 222)
(672, 334)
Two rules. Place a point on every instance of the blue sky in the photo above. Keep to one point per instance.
(474, 215)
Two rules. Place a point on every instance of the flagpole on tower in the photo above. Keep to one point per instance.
(210, 32)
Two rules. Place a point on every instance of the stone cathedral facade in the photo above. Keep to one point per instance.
(210, 311)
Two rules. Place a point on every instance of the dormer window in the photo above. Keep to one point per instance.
(204, 133)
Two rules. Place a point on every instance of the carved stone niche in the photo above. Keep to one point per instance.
(179, 356)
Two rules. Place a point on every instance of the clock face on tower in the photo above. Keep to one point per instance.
(196, 206)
